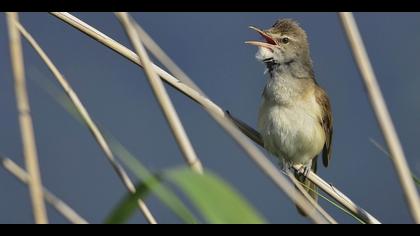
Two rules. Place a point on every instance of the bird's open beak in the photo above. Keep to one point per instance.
(269, 43)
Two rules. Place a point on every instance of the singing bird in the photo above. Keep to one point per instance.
(295, 119)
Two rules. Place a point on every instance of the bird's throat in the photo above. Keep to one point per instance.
(275, 67)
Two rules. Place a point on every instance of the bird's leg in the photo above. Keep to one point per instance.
(286, 164)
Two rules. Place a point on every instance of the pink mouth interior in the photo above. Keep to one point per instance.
(268, 39)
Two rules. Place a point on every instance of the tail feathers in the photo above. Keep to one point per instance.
(310, 187)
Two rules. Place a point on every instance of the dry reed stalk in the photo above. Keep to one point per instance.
(161, 56)
(162, 96)
(382, 114)
(97, 134)
(213, 109)
(338, 196)
(313, 202)
(25, 121)
(65, 210)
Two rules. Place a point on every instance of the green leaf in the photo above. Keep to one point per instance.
(125, 209)
(127, 206)
(416, 179)
(214, 198)
(152, 183)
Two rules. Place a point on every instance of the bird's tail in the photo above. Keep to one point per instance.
(310, 187)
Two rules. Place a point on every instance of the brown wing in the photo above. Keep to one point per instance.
(327, 124)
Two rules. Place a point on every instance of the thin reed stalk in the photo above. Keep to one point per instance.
(64, 209)
(155, 49)
(382, 114)
(161, 95)
(25, 122)
(214, 110)
(88, 121)
(299, 186)
(338, 196)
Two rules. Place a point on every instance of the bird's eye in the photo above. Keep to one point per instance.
(285, 40)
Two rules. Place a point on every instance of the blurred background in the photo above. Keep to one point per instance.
(210, 48)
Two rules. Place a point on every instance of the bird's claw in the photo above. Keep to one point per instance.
(304, 170)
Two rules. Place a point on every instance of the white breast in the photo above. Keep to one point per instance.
(292, 130)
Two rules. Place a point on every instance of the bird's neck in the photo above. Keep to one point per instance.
(295, 68)
(288, 81)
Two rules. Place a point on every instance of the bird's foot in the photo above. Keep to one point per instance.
(304, 170)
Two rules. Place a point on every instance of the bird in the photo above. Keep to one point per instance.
(295, 118)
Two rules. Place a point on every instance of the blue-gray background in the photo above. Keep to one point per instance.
(210, 48)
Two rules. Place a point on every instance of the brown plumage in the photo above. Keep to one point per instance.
(327, 123)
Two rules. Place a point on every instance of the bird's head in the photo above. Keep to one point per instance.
(284, 43)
